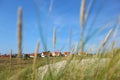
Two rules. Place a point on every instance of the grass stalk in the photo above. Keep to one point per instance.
(82, 18)
(54, 39)
(34, 61)
(10, 60)
(70, 40)
(82, 13)
(19, 36)
(104, 41)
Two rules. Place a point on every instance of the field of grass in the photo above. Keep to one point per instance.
(72, 67)
(8, 69)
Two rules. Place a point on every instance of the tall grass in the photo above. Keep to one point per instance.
(10, 60)
(19, 36)
(70, 40)
(104, 41)
(54, 39)
(34, 61)
(82, 21)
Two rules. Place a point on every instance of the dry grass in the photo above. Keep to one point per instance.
(19, 36)
(10, 60)
(34, 61)
(82, 21)
(54, 39)
(82, 13)
(104, 41)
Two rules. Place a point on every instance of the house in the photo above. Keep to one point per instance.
(66, 53)
(32, 55)
(46, 54)
(6, 55)
(42, 54)
(57, 53)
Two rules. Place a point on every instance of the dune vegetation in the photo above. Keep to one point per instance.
(104, 64)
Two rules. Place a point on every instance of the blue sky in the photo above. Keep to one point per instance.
(64, 16)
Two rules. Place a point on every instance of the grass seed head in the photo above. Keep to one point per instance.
(107, 37)
(54, 38)
(19, 32)
(82, 13)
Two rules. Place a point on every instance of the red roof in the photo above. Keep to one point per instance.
(66, 53)
(33, 54)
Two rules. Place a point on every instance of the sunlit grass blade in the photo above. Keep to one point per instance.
(19, 36)
(104, 41)
(10, 60)
(54, 39)
(70, 40)
(82, 21)
(82, 13)
(34, 61)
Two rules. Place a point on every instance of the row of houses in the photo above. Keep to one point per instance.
(49, 54)
(43, 54)
(8, 55)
